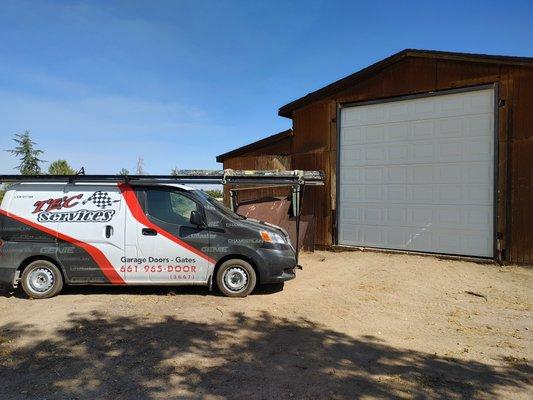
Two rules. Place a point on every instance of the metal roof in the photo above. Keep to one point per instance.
(287, 109)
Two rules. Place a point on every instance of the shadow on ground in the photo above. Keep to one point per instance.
(99, 356)
(147, 290)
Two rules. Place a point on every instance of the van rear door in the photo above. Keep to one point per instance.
(95, 220)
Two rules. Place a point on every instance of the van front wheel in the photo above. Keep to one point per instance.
(41, 279)
(236, 278)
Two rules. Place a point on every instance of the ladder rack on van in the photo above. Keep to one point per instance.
(297, 179)
(217, 177)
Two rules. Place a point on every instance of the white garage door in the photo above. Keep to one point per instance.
(417, 174)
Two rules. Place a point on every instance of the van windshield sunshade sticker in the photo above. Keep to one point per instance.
(138, 213)
(99, 258)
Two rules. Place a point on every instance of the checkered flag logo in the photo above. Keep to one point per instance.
(101, 199)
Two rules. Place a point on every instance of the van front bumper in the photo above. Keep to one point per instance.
(287, 275)
(276, 264)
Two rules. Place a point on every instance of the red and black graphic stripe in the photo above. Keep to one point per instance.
(83, 263)
(138, 213)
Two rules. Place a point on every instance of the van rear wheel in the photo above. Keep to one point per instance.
(236, 278)
(41, 279)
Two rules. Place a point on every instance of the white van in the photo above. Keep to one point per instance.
(56, 233)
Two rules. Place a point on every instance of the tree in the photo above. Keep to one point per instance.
(216, 193)
(175, 171)
(123, 172)
(27, 153)
(140, 166)
(60, 167)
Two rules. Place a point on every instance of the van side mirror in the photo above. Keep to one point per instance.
(196, 218)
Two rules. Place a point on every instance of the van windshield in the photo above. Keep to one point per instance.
(218, 205)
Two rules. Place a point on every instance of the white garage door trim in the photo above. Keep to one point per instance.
(436, 197)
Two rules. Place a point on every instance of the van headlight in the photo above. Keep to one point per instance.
(271, 237)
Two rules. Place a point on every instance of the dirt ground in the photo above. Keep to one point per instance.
(352, 325)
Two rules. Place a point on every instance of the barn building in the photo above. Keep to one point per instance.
(424, 151)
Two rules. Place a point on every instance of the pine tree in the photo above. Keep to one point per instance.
(27, 153)
(123, 172)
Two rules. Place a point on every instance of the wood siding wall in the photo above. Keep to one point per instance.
(282, 146)
(279, 162)
(519, 126)
(315, 139)
(275, 155)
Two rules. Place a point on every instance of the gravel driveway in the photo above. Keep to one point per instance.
(351, 325)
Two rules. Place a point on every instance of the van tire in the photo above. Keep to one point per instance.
(42, 279)
(236, 278)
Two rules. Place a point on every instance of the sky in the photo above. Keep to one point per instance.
(101, 83)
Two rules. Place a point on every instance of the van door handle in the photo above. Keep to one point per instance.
(108, 231)
(149, 232)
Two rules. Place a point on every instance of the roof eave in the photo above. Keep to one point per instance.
(255, 145)
(287, 109)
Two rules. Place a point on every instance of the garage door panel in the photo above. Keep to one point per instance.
(422, 130)
(473, 172)
(481, 194)
(470, 218)
(426, 239)
(397, 132)
(398, 174)
(398, 153)
(443, 128)
(418, 152)
(429, 194)
(418, 174)
(453, 105)
(479, 101)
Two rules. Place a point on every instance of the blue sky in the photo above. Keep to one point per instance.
(101, 83)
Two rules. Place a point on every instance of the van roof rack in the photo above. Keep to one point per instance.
(215, 177)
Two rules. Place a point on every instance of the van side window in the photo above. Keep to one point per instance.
(169, 207)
